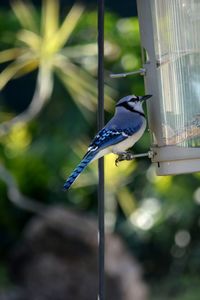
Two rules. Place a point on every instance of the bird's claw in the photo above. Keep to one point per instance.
(117, 160)
(123, 156)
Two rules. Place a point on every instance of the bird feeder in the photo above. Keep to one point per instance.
(170, 38)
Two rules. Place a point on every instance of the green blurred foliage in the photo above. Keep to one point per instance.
(159, 217)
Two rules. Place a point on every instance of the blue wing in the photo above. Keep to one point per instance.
(111, 134)
(105, 138)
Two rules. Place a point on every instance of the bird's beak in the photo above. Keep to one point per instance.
(144, 98)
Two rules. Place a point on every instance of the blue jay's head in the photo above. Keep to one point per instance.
(133, 103)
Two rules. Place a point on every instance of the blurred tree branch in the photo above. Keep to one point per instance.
(41, 96)
(16, 197)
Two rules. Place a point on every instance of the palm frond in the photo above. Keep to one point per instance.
(80, 50)
(25, 13)
(10, 54)
(50, 18)
(67, 27)
(41, 95)
(30, 39)
(15, 68)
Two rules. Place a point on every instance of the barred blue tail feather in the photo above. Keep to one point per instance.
(78, 170)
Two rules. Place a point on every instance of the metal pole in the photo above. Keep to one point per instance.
(101, 229)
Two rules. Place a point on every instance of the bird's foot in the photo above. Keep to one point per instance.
(123, 156)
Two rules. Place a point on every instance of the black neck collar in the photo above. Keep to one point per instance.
(130, 108)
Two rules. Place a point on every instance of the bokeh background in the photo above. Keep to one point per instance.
(48, 115)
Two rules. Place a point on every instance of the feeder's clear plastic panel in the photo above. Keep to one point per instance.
(176, 26)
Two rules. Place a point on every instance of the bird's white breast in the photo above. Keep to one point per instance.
(130, 141)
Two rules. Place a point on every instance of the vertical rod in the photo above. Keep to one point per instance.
(101, 229)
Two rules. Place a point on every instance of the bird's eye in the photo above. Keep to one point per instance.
(135, 99)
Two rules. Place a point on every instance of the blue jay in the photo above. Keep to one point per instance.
(120, 133)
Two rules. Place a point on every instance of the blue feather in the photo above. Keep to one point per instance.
(107, 137)
(77, 171)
